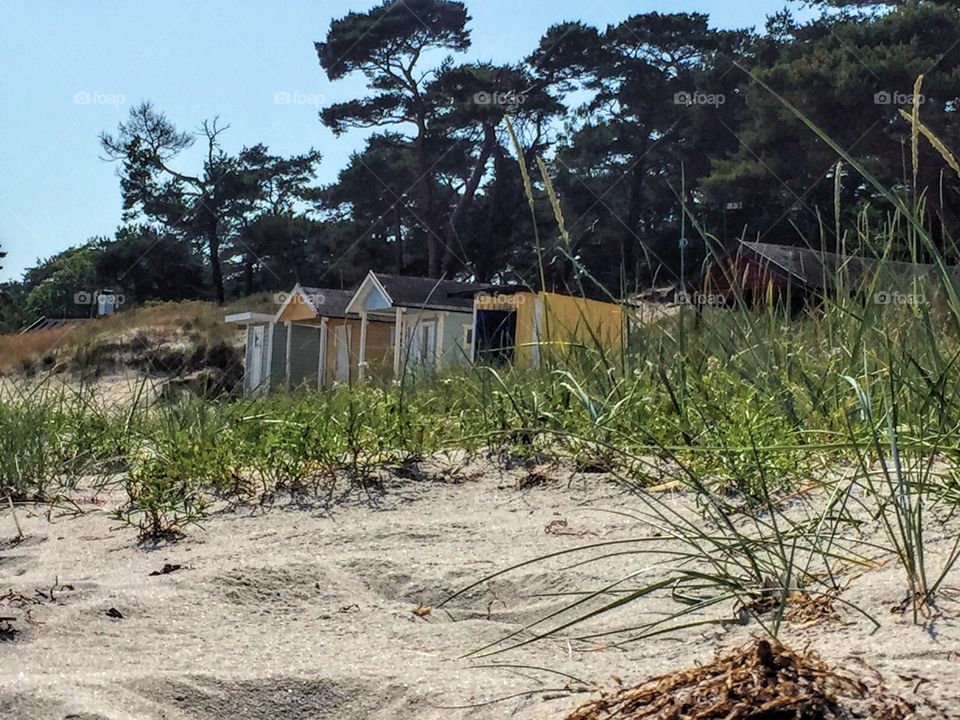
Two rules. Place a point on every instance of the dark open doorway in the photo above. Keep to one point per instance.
(496, 336)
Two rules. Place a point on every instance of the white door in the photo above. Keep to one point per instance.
(414, 349)
(255, 371)
(341, 339)
(430, 343)
(423, 343)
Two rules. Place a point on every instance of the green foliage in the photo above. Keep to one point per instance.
(28, 463)
(452, 113)
(67, 287)
(395, 28)
(733, 429)
(146, 264)
(50, 441)
(163, 498)
(849, 73)
(12, 311)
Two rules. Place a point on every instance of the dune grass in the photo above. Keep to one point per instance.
(751, 412)
(796, 434)
(20, 352)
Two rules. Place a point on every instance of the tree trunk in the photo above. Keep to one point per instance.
(248, 275)
(469, 193)
(216, 272)
(425, 195)
(631, 242)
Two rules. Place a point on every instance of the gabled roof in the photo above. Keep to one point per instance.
(818, 270)
(322, 302)
(419, 292)
(326, 302)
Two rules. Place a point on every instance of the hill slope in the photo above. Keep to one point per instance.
(173, 339)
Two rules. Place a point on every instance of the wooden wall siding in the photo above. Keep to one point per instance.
(298, 311)
(379, 349)
(330, 357)
(566, 321)
(453, 350)
(453, 324)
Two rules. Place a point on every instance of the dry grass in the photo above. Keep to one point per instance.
(19, 351)
(761, 679)
(196, 321)
(809, 610)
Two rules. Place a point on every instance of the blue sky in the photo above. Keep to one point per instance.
(72, 70)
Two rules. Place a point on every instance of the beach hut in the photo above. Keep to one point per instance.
(310, 342)
(430, 321)
(394, 323)
(258, 370)
(518, 326)
(763, 273)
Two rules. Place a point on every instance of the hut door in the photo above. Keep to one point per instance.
(423, 343)
(496, 336)
(255, 373)
(430, 342)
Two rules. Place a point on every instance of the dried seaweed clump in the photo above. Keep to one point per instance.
(761, 680)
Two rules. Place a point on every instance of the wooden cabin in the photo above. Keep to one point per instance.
(518, 326)
(431, 318)
(312, 341)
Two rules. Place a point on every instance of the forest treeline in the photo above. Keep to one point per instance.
(656, 131)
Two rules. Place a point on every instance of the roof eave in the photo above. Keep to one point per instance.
(248, 318)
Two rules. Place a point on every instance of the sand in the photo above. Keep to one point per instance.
(308, 612)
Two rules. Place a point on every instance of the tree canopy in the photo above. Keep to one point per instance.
(661, 133)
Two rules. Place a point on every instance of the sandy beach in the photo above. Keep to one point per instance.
(287, 611)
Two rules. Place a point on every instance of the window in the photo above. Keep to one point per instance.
(467, 337)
